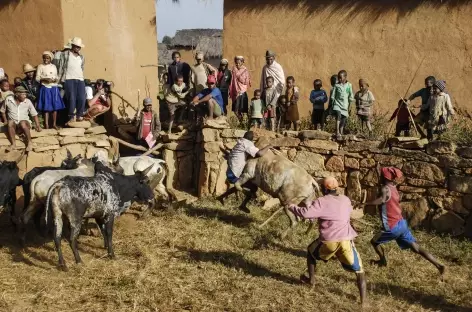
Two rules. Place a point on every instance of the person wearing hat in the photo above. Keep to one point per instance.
(222, 82)
(49, 100)
(16, 110)
(200, 73)
(394, 227)
(147, 122)
(240, 83)
(274, 70)
(71, 75)
(440, 108)
(58, 53)
(210, 99)
(176, 68)
(336, 234)
(29, 83)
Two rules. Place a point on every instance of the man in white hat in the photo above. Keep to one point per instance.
(29, 83)
(200, 73)
(71, 75)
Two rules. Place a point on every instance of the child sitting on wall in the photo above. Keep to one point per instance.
(176, 97)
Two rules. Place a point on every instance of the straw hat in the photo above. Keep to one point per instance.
(20, 89)
(28, 68)
(68, 45)
(77, 42)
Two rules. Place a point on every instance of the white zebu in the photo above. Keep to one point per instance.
(157, 175)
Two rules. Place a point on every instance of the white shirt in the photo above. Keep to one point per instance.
(46, 71)
(237, 157)
(18, 112)
(88, 93)
(74, 68)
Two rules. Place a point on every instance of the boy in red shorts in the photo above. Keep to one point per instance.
(393, 224)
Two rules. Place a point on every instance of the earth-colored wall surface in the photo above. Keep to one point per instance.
(27, 28)
(118, 38)
(381, 41)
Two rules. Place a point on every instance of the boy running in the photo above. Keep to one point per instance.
(336, 234)
(393, 224)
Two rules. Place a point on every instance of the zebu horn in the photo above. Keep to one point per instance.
(146, 171)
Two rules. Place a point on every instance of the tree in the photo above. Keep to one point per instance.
(167, 40)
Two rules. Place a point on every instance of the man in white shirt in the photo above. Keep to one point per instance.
(71, 73)
(237, 161)
(17, 110)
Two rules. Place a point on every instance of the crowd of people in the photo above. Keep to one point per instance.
(274, 105)
(54, 87)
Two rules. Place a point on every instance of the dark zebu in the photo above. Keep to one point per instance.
(9, 180)
(103, 197)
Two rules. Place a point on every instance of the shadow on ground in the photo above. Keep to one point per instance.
(236, 261)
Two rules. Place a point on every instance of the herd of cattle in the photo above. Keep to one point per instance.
(81, 189)
(102, 189)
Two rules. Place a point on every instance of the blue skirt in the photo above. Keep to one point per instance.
(50, 99)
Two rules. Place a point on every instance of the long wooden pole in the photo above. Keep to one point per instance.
(412, 80)
(133, 146)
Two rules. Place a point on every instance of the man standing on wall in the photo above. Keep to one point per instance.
(71, 74)
(275, 70)
(176, 68)
(200, 73)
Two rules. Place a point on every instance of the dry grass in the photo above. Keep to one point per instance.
(205, 257)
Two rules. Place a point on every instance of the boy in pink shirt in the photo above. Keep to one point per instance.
(336, 234)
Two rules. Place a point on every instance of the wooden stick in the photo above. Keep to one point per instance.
(416, 73)
(136, 147)
(155, 148)
(271, 217)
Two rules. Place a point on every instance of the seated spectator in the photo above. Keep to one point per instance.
(16, 110)
(4, 92)
(30, 83)
(147, 123)
(49, 100)
(98, 100)
(210, 99)
(176, 97)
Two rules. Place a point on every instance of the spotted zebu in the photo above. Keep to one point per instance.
(103, 197)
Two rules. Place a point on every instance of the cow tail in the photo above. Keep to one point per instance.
(48, 199)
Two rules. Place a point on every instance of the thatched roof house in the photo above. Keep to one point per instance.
(164, 54)
(208, 41)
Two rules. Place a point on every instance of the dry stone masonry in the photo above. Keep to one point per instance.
(436, 192)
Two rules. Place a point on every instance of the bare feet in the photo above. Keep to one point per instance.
(11, 148)
(29, 148)
(442, 271)
(379, 263)
(244, 209)
(306, 280)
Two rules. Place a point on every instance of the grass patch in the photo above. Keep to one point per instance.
(205, 257)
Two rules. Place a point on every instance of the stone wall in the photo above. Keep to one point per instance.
(436, 192)
(50, 146)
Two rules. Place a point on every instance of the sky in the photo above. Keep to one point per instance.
(188, 14)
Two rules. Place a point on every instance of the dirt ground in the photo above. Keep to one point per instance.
(205, 257)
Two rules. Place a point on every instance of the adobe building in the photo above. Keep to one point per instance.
(118, 35)
(381, 41)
